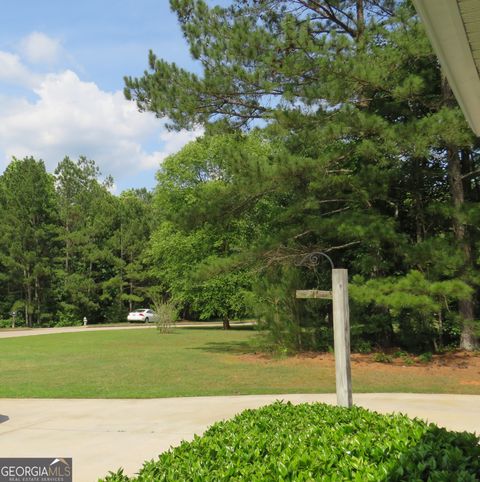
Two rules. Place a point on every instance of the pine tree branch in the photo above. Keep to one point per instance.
(298, 236)
(249, 200)
(472, 173)
(327, 12)
(282, 253)
(336, 211)
(341, 246)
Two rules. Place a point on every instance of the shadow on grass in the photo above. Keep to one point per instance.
(220, 328)
(4, 418)
(235, 347)
(243, 327)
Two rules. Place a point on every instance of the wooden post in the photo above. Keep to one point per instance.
(341, 332)
(318, 294)
(341, 336)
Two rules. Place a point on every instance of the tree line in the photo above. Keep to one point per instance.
(69, 248)
(328, 127)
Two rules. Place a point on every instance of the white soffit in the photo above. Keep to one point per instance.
(453, 27)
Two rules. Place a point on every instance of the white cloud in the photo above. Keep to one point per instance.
(72, 117)
(12, 71)
(173, 142)
(113, 188)
(38, 48)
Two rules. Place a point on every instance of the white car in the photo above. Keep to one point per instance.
(142, 314)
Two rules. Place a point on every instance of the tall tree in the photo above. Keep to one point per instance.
(201, 229)
(353, 92)
(86, 210)
(130, 239)
(27, 234)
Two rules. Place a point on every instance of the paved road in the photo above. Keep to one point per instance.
(102, 435)
(92, 329)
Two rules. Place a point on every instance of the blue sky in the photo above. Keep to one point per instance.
(61, 78)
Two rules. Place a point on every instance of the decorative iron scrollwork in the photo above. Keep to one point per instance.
(312, 260)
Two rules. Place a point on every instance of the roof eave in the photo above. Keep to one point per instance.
(446, 31)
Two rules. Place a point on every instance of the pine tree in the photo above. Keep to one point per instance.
(87, 213)
(27, 236)
(366, 140)
(133, 231)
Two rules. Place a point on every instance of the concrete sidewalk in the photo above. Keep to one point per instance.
(103, 435)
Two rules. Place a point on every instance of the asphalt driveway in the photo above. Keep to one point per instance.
(103, 435)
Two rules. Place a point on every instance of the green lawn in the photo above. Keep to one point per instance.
(188, 362)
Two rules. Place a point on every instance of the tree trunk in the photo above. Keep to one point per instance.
(67, 250)
(120, 298)
(28, 304)
(130, 302)
(226, 324)
(37, 300)
(466, 307)
(418, 189)
(360, 18)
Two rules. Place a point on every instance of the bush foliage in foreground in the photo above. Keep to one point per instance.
(285, 442)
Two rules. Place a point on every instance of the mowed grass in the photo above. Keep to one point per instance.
(188, 362)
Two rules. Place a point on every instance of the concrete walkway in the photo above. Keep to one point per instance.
(102, 435)
(92, 329)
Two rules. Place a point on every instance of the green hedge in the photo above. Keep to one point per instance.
(285, 442)
(5, 323)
